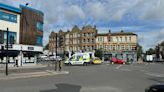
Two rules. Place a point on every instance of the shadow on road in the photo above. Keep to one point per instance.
(64, 88)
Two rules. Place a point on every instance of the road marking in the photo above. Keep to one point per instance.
(100, 89)
(33, 74)
(154, 74)
(125, 70)
(143, 71)
(118, 67)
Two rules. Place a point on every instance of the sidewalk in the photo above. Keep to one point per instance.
(29, 71)
(23, 67)
(31, 74)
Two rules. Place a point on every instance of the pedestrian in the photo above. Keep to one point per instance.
(60, 65)
(16, 63)
(56, 65)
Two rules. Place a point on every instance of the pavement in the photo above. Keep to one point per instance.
(28, 72)
(92, 78)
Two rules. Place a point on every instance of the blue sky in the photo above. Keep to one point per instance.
(144, 17)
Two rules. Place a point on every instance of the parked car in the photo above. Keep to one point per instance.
(96, 60)
(55, 58)
(117, 61)
(155, 88)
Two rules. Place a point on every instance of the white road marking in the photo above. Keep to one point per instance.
(143, 71)
(125, 70)
(100, 89)
(118, 67)
(155, 74)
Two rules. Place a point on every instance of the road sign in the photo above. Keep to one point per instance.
(9, 46)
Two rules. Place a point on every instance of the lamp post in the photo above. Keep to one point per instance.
(21, 55)
(7, 52)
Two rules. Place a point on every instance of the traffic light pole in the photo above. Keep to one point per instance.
(7, 53)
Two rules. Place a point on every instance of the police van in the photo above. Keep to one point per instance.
(80, 59)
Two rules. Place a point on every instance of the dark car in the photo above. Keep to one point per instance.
(155, 88)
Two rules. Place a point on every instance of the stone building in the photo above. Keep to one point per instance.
(88, 38)
(121, 44)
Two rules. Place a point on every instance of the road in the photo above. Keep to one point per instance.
(93, 78)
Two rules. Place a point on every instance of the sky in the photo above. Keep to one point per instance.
(144, 17)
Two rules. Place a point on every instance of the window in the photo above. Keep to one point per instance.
(84, 41)
(109, 39)
(8, 17)
(1, 39)
(121, 39)
(130, 39)
(11, 37)
(39, 26)
(125, 39)
(39, 40)
(92, 40)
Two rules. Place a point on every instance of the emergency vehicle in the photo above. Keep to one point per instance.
(80, 58)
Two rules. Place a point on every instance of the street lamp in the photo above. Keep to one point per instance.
(7, 52)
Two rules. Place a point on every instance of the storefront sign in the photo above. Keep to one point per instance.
(30, 48)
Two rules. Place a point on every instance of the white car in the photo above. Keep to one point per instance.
(55, 58)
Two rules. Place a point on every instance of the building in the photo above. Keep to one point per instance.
(57, 40)
(25, 27)
(52, 42)
(88, 38)
(73, 38)
(122, 45)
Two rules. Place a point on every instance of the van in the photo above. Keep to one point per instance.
(79, 59)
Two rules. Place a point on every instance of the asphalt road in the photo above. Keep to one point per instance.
(94, 78)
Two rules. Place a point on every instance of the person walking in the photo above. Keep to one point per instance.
(60, 65)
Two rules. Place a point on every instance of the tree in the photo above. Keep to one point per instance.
(99, 53)
(139, 51)
(162, 49)
(150, 51)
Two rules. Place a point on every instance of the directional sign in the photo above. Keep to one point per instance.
(9, 46)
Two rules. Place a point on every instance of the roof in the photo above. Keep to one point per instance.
(22, 6)
(102, 34)
(75, 29)
(123, 33)
(162, 43)
(10, 8)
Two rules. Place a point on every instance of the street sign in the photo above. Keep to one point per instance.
(9, 46)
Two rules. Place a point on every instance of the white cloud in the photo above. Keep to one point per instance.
(62, 15)
(151, 9)
(96, 10)
(74, 13)
(160, 37)
(118, 14)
